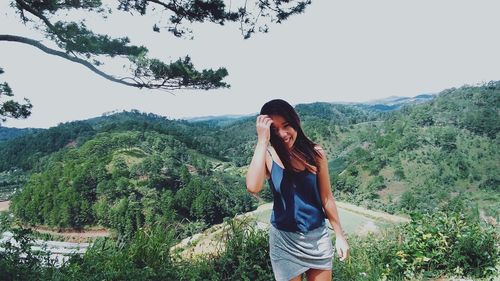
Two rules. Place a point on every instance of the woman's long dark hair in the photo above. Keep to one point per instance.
(303, 147)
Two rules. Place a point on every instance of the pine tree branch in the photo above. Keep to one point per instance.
(34, 43)
(166, 80)
(26, 7)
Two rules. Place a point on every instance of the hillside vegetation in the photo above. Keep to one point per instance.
(153, 180)
(126, 180)
(443, 154)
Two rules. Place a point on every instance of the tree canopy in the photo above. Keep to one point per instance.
(9, 107)
(73, 40)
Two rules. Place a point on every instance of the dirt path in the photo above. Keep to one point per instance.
(67, 235)
(4, 205)
(378, 215)
(70, 235)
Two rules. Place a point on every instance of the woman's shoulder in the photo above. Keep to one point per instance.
(319, 149)
(321, 156)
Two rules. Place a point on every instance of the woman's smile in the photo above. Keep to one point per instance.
(283, 130)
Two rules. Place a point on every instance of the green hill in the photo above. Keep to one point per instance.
(440, 154)
(434, 155)
(7, 133)
(127, 180)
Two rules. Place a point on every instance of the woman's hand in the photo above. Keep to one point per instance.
(257, 169)
(263, 125)
(342, 247)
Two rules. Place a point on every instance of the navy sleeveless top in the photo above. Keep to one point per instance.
(297, 204)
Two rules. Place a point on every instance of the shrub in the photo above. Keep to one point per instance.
(446, 242)
(431, 245)
(246, 254)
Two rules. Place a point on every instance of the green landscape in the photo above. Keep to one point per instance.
(152, 182)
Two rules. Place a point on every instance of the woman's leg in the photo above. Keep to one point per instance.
(297, 278)
(319, 275)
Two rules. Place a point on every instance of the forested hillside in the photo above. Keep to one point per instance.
(126, 180)
(440, 154)
(422, 157)
(12, 133)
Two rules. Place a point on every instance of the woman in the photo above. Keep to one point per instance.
(297, 172)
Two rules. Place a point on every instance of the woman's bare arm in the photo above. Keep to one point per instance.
(257, 169)
(330, 207)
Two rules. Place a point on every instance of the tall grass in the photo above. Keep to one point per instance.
(428, 247)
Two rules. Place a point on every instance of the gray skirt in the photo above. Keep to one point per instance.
(293, 253)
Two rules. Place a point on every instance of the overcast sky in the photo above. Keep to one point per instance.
(337, 51)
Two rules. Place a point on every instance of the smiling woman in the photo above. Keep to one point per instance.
(297, 172)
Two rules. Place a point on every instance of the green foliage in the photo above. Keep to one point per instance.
(428, 150)
(12, 133)
(77, 43)
(369, 259)
(246, 254)
(128, 180)
(146, 257)
(211, 200)
(491, 183)
(431, 160)
(10, 108)
(18, 261)
(10, 181)
(337, 114)
(178, 74)
(408, 201)
(447, 242)
(25, 152)
(377, 183)
(445, 138)
(431, 245)
(337, 165)
(346, 183)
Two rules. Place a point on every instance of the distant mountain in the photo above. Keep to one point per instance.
(395, 102)
(12, 133)
(219, 120)
(381, 105)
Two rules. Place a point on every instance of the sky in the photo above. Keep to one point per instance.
(337, 51)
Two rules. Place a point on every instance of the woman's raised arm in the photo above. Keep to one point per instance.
(256, 173)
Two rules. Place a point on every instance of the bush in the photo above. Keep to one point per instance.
(492, 183)
(429, 246)
(18, 261)
(449, 243)
(246, 254)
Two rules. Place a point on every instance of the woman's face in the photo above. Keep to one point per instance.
(283, 130)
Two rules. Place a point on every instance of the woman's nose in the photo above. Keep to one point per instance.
(282, 133)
